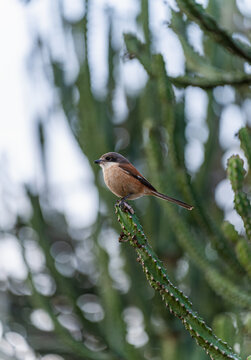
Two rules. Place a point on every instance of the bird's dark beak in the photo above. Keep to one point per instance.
(97, 161)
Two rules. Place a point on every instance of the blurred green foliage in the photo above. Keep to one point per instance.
(102, 311)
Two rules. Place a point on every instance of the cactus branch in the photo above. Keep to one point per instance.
(236, 174)
(245, 139)
(196, 13)
(238, 79)
(175, 300)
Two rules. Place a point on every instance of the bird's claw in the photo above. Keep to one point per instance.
(125, 207)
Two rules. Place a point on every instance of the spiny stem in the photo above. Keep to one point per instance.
(174, 299)
(236, 175)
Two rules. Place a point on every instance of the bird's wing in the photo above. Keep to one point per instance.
(131, 170)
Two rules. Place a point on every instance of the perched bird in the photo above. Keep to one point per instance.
(126, 182)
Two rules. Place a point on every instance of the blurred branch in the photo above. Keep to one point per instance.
(230, 232)
(243, 251)
(195, 12)
(144, 17)
(194, 62)
(242, 248)
(224, 327)
(219, 78)
(175, 300)
(209, 83)
(245, 139)
(236, 174)
(137, 49)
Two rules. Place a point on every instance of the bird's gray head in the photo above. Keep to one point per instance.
(111, 158)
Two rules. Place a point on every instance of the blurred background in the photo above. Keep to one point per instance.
(71, 91)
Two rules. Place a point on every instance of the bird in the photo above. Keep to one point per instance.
(126, 182)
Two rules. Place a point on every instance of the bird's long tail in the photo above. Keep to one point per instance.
(168, 198)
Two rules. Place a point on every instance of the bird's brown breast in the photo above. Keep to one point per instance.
(121, 183)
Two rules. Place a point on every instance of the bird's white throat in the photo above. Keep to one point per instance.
(107, 165)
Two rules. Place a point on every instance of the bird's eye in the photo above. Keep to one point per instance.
(108, 158)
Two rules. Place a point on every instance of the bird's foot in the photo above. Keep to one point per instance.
(125, 207)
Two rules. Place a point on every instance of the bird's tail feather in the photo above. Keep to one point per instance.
(168, 198)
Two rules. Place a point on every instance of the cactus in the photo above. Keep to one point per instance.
(245, 139)
(236, 175)
(174, 299)
(196, 13)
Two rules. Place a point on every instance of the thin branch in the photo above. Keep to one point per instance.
(210, 83)
(196, 13)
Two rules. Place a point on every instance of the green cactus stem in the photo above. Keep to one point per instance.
(174, 299)
(195, 12)
(236, 175)
(245, 139)
(243, 251)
